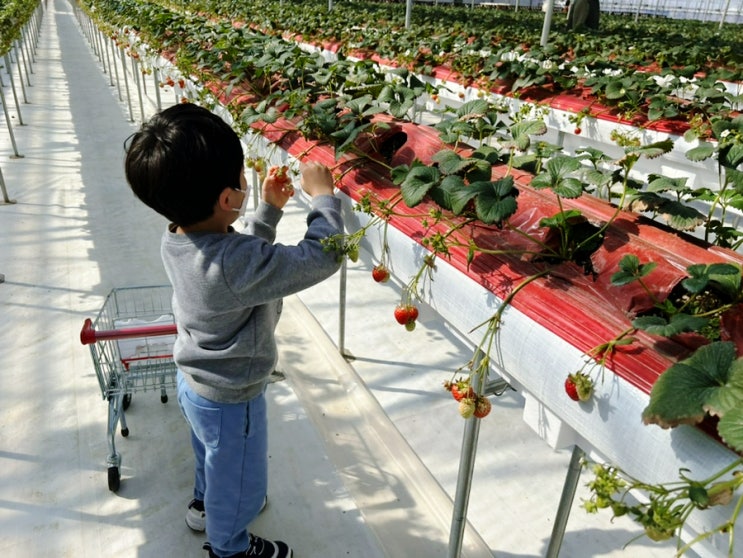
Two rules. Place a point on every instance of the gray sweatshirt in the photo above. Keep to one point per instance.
(227, 296)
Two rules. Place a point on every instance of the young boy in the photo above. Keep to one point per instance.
(187, 164)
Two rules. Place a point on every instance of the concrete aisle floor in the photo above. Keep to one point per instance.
(364, 455)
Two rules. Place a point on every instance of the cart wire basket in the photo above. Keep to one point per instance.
(131, 343)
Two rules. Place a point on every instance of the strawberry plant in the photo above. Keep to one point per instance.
(663, 509)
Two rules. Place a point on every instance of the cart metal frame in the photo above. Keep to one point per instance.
(131, 344)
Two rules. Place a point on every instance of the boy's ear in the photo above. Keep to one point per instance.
(227, 199)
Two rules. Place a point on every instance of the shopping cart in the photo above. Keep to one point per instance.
(131, 342)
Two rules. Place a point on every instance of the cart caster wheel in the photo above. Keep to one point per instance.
(114, 479)
(127, 401)
(124, 433)
(164, 398)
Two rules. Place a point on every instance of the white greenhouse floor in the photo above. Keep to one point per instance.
(364, 455)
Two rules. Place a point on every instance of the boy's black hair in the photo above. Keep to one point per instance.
(180, 161)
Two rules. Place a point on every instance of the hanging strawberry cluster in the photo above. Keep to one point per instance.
(470, 403)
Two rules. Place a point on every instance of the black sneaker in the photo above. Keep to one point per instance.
(259, 548)
(196, 517)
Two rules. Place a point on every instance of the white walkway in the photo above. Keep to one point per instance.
(364, 457)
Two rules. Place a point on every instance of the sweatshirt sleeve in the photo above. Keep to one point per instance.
(263, 221)
(258, 271)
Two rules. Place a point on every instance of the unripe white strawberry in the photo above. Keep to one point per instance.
(467, 407)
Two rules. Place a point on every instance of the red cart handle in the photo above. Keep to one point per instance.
(88, 335)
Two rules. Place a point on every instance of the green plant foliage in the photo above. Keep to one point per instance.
(685, 391)
(14, 14)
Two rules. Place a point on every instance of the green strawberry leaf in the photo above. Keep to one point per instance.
(450, 162)
(730, 396)
(703, 151)
(487, 153)
(700, 276)
(730, 428)
(558, 170)
(474, 107)
(680, 216)
(496, 201)
(417, 183)
(658, 183)
(560, 220)
(521, 132)
(678, 323)
(457, 193)
(631, 270)
(653, 150)
(400, 172)
(733, 156)
(681, 393)
(569, 188)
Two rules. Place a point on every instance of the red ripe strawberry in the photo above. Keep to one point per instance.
(577, 131)
(412, 313)
(571, 389)
(461, 389)
(182, 83)
(381, 274)
(281, 174)
(402, 314)
(482, 406)
(579, 386)
(406, 314)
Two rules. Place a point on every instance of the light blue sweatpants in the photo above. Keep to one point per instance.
(230, 444)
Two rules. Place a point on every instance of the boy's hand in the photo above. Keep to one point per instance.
(316, 179)
(277, 187)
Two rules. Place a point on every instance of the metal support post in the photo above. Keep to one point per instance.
(6, 199)
(27, 53)
(20, 55)
(10, 127)
(126, 84)
(20, 74)
(466, 468)
(29, 46)
(116, 69)
(342, 308)
(107, 46)
(100, 40)
(547, 23)
(566, 501)
(12, 88)
(156, 79)
(138, 81)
